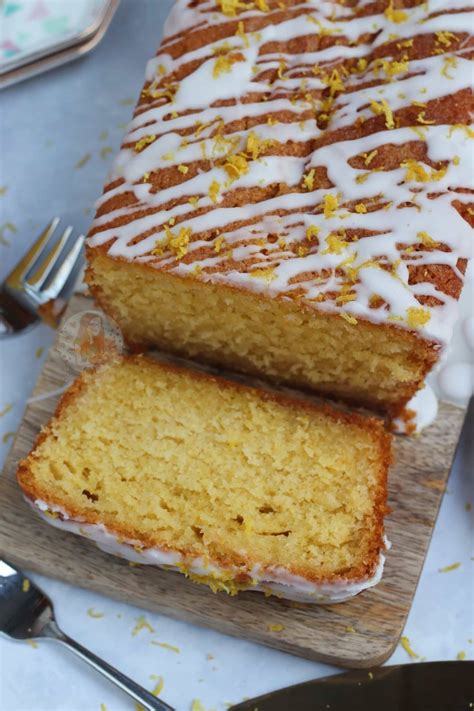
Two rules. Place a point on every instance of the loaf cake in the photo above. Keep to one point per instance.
(292, 198)
(237, 487)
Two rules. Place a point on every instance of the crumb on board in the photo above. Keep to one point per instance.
(165, 645)
(94, 613)
(449, 568)
(406, 644)
(141, 624)
(275, 627)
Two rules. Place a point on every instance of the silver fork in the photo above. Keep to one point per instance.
(38, 280)
(27, 613)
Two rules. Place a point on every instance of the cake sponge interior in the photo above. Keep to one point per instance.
(188, 462)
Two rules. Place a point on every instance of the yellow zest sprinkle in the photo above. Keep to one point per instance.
(302, 250)
(241, 33)
(168, 156)
(405, 642)
(333, 81)
(218, 244)
(95, 615)
(445, 38)
(427, 240)
(360, 208)
(235, 166)
(6, 409)
(323, 31)
(267, 275)
(196, 705)
(349, 318)
(335, 244)
(449, 568)
(141, 624)
(224, 63)
(421, 119)
(281, 69)
(32, 643)
(146, 177)
(460, 656)
(308, 179)
(272, 121)
(312, 231)
(103, 707)
(396, 16)
(449, 63)
(282, 243)
(140, 145)
(194, 201)
(344, 298)
(417, 316)
(368, 157)
(25, 586)
(361, 65)
(456, 160)
(350, 629)
(165, 645)
(213, 191)
(183, 169)
(331, 203)
(275, 627)
(416, 172)
(383, 108)
(461, 127)
(105, 151)
(232, 7)
(158, 688)
(82, 161)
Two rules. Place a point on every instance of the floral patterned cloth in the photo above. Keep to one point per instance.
(29, 26)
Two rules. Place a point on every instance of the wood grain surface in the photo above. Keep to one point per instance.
(360, 633)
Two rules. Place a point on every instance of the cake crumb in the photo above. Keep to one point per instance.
(141, 624)
(449, 568)
(275, 627)
(25, 585)
(405, 642)
(94, 614)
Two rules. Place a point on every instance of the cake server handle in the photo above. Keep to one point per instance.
(137, 692)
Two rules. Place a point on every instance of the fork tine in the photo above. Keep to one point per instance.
(47, 264)
(62, 274)
(14, 279)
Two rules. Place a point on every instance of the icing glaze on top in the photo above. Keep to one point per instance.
(305, 149)
(275, 580)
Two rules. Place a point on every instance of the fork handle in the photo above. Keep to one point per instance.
(137, 692)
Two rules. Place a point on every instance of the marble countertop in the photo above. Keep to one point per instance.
(58, 134)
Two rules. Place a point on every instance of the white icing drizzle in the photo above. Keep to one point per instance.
(276, 580)
(423, 406)
(409, 219)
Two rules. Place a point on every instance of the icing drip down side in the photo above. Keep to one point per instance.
(276, 580)
(316, 151)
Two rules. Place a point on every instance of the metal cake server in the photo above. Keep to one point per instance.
(27, 613)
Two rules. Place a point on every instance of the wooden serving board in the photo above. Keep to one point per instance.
(360, 633)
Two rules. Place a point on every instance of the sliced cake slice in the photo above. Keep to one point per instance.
(239, 488)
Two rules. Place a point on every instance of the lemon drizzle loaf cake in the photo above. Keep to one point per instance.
(292, 196)
(236, 487)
